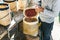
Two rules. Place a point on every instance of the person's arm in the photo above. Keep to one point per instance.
(54, 11)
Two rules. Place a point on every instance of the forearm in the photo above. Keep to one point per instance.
(51, 13)
(54, 11)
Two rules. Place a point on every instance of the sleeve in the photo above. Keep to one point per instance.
(55, 9)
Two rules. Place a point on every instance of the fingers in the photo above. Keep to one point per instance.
(39, 9)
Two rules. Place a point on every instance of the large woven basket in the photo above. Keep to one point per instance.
(30, 28)
(5, 17)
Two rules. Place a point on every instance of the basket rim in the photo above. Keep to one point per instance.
(8, 1)
(7, 6)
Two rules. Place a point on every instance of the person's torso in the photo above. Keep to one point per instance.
(44, 17)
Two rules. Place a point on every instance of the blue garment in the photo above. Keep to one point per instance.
(46, 29)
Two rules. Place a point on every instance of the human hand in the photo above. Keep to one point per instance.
(39, 9)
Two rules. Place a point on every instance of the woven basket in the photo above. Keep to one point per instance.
(13, 4)
(5, 17)
(30, 21)
(22, 4)
(30, 28)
